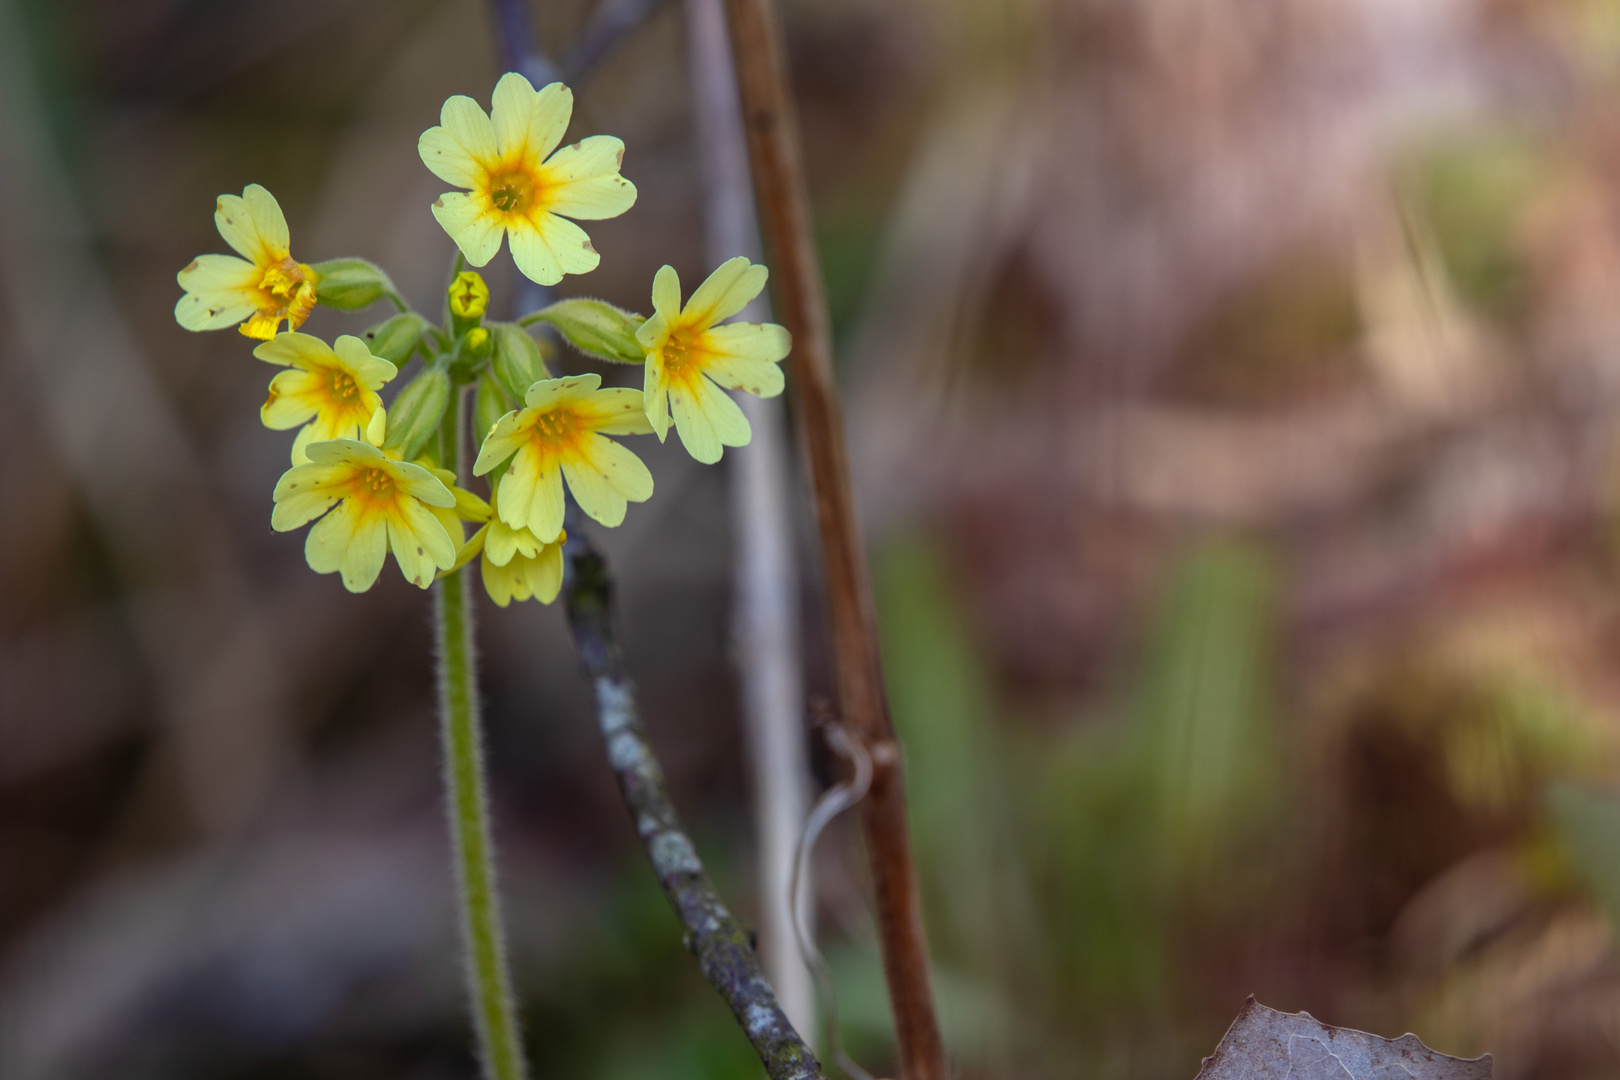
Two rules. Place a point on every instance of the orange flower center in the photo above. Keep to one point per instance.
(557, 428)
(285, 284)
(342, 387)
(513, 191)
(374, 485)
(683, 355)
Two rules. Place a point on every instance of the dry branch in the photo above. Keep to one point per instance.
(714, 935)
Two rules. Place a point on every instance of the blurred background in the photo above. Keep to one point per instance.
(1231, 389)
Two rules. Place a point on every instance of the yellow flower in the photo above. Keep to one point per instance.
(384, 504)
(516, 188)
(332, 393)
(468, 507)
(689, 358)
(563, 433)
(266, 288)
(516, 565)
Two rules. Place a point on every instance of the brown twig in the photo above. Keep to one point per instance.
(779, 189)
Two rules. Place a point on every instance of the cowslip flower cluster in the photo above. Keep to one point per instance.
(372, 479)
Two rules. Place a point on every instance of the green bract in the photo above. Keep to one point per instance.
(395, 339)
(350, 284)
(417, 411)
(596, 328)
(516, 359)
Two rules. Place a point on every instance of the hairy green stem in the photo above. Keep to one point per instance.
(494, 1012)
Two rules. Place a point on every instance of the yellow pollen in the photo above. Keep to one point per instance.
(512, 192)
(682, 354)
(556, 427)
(282, 282)
(343, 388)
(374, 483)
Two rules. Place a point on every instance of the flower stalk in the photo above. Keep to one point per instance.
(489, 983)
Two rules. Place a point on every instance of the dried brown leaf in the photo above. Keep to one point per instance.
(1264, 1044)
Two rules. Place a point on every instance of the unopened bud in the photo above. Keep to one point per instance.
(490, 403)
(350, 284)
(596, 328)
(516, 359)
(394, 339)
(416, 412)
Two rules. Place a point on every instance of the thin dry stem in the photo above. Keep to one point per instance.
(779, 188)
(766, 610)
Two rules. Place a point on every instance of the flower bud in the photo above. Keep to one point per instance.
(350, 284)
(596, 328)
(517, 362)
(469, 296)
(416, 412)
(472, 354)
(394, 339)
(467, 299)
(490, 403)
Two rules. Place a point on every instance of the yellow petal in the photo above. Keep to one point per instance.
(268, 220)
(470, 506)
(527, 121)
(467, 124)
(367, 550)
(471, 549)
(211, 311)
(377, 425)
(548, 393)
(618, 410)
(582, 181)
(666, 296)
(652, 334)
(369, 371)
(304, 494)
(293, 349)
(448, 159)
(531, 494)
(261, 325)
(655, 396)
(346, 452)
(418, 483)
(252, 224)
(696, 431)
(622, 470)
(476, 231)
(300, 446)
(593, 493)
(546, 574)
(498, 582)
(218, 274)
(749, 341)
(727, 291)
(349, 540)
(728, 421)
(548, 247)
(502, 441)
(504, 541)
(758, 377)
(421, 544)
(288, 403)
